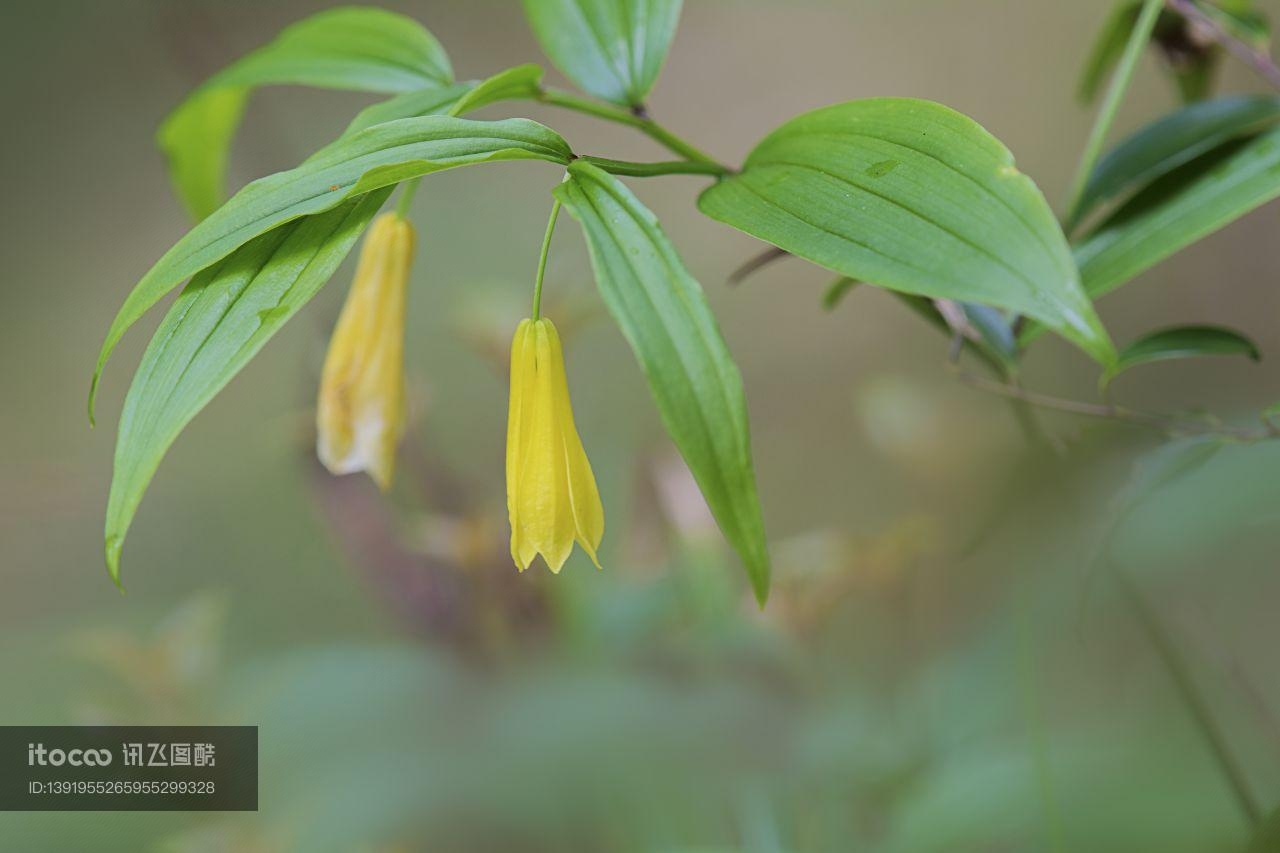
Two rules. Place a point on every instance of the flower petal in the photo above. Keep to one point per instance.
(518, 410)
(360, 415)
(552, 500)
(584, 497)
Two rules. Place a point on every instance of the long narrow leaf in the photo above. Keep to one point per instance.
(1106, 49)
(1173, 141)
(379, 156)
(365, 49)
(664, 315)
(1182, 342)
(522, 81)
(221, 320)
(1179, 209)
(431, 101)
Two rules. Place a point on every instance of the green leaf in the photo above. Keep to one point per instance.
(1180, 208)
(1174, 141)
(221, 320)
(664, 315)
(610, 49)
(837, 291)
(995, 329)
(522, 81)
(379, 156)
(1182, 342)
(1241, 21)
(915, 197)
(1107, 49)
(432, 101)
(357, 48)
(1266, 838)
(994, 355)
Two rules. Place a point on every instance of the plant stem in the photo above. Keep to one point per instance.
(755, 263)
(1028, 666)
(542, 259)
(1256, 59)
(1111, 104)
(1150, 420)
(406, 197)
(649, 170)
(641, 122)
(1186, 686)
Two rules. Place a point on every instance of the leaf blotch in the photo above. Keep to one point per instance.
(884, 167)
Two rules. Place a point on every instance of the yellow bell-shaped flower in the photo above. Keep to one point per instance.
(360, 416)
(552, 498)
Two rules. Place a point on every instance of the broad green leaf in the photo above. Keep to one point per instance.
(1174, 141)
(522, 81)
(612, 49)
(357, 48)
(379, 156)
(1182, 342)
(1107, 49)
(221, 320)
(1178, 209)
(915, 197)
(664, 315)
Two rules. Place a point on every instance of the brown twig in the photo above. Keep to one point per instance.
(1258, 60)
(1150, 420)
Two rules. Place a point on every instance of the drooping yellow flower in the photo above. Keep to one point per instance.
(360, 416)
(552, 499)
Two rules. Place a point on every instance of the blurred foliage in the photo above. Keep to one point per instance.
(898, 694)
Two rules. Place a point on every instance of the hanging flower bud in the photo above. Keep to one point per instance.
(360, 416)
(552, 498)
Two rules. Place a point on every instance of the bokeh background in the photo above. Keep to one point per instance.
(942, 667)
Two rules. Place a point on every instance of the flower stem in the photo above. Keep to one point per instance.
(406, 197)
(542, 259)
(643, 123)
(1111, 104)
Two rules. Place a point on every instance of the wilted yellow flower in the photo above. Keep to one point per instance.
(360, 416)
(552, 498)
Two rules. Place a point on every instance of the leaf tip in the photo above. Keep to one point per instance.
(93, 397)
(111, 551)
(760, 571)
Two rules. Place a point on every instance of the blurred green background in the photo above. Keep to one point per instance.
(942, 666)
